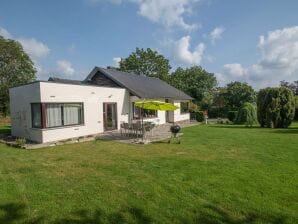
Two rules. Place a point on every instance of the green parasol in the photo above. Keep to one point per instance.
(154, 105)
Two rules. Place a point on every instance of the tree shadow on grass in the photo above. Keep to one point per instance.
(287, 131)
(15, 212)
(135, 215)
(207, 214)
(211, 214)
(234, 126)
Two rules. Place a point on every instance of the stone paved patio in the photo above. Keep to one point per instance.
(159, 133)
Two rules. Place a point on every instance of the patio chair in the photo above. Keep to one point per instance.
(124, 129)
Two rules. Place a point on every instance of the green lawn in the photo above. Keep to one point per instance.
(218, 174)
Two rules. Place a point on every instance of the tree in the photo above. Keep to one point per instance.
(261, 106)
(146, 62)
(292, 86)
(219, 106)
(16, 68)
(238, 93)
(196, 82)
(246, 115)
(276, 107)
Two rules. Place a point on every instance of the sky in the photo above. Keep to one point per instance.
(252, 41)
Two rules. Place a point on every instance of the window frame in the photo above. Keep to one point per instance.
(140, 111)
(181, 108)
(43, 108)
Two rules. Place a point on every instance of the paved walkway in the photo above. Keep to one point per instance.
(160, 132)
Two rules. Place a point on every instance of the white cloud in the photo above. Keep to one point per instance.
(34, 48)
(278, 61)
(183, 54)
(65, 68)
(116, 61)
(167, 12)
(111, 1)
(234, 70)
(4, 33)
(216, 34)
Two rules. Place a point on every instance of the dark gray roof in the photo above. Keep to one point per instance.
(65, 81)
(141, 86)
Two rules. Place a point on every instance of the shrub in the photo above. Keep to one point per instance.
(296, 108)
(216, 112)
(276, 107)
(247, 115)
(232, 115)
(261, 107)
(20, 141)
(200, 116)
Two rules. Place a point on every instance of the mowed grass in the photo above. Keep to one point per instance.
(218, 174)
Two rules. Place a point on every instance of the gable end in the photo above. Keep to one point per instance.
(100, 79)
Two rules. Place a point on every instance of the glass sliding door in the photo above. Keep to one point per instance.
(110, 116)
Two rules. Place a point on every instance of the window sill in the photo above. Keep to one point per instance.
(144, 118)
(60, 127)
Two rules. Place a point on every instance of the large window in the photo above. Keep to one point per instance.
(48, 115)
(146, 113)
(36, 115)
(184, 107)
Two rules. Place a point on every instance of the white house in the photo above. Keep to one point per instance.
(58, 109)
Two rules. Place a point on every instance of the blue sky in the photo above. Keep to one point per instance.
(68, 38)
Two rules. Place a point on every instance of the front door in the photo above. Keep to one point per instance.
(110, 116)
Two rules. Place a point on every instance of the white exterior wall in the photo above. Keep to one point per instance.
(177, 113)
(93, 99)
(45, 92)
(20, 111)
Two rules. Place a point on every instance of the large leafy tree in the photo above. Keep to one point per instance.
(16, 68)
(238, 93)
(196, 82)
(146, 62)
(292, 86)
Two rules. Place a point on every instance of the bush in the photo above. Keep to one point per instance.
(247, 115)
(232, 115)
(200, 116)
(20, 141)
(276, 107)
